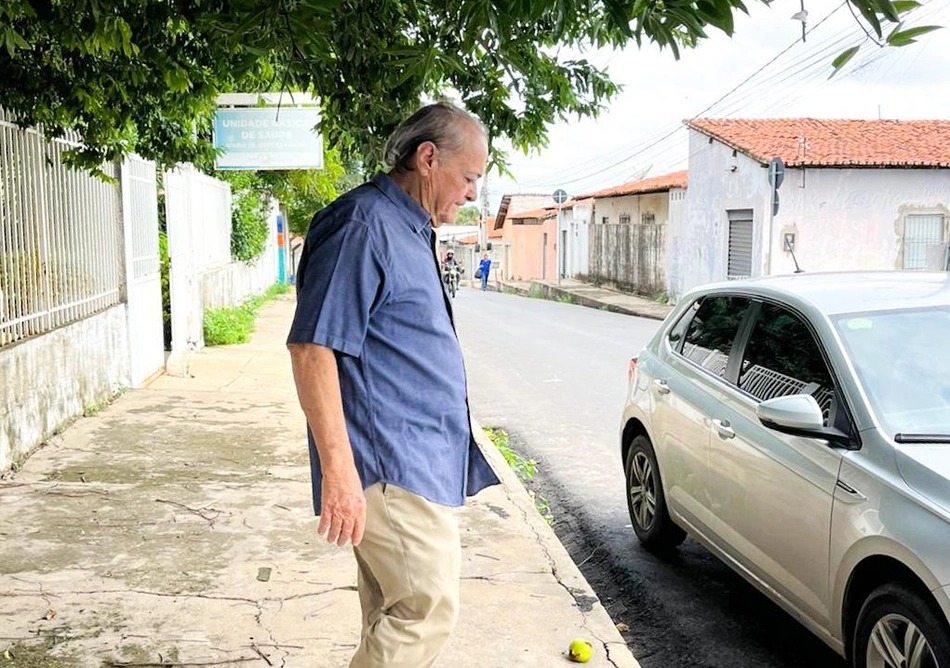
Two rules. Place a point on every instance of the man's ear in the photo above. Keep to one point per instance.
(425, 157)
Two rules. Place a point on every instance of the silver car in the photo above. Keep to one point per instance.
(799, 428)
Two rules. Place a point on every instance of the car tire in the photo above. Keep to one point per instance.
(893, 612)
(646, 501)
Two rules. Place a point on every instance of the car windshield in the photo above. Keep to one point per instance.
(903, 363)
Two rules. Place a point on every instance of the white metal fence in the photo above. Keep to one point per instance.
(143, 275)
(60, 253)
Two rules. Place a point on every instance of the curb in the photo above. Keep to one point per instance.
(596, 619)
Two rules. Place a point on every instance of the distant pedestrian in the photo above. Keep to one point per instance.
(380, 379)
(484, 267)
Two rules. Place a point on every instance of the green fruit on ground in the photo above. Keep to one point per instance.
(580, 651)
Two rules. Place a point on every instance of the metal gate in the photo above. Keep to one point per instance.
(143, 276)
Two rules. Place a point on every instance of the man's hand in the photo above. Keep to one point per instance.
(343, 508)
(343, 505)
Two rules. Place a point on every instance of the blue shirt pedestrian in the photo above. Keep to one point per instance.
(484, 267)
(368, 287)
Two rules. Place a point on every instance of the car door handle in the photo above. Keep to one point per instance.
(724, 429)
(661, 386)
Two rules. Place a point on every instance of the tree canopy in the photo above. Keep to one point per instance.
(468, 215)
(142, 75)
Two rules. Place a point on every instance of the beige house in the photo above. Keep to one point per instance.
(627, 239)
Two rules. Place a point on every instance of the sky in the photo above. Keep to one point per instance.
(764, 71)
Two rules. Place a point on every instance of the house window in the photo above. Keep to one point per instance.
(648, 218)
(605, 220)
(923, 239)
(739, 259)
(624, 218)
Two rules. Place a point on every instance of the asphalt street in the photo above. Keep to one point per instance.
(554, 376)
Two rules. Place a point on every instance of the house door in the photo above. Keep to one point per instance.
(544, 255)
(563, 253)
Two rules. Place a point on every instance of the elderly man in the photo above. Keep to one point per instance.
(379, 375)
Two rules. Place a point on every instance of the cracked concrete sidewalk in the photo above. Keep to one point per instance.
(174, 528)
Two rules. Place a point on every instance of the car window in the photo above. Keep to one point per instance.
(712, 332)
(782, 358)
(678, 331)
(904, 366)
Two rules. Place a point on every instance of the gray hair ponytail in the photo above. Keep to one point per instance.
(439, 123)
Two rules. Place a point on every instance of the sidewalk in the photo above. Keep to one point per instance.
(586, 294)
(175, 528)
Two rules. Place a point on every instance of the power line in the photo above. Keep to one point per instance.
(802, 72)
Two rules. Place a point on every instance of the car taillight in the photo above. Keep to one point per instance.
(631, 368)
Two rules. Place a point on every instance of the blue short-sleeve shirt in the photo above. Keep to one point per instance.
(368, 286)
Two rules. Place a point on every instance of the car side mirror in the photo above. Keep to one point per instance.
(799, 415)
(796, 411)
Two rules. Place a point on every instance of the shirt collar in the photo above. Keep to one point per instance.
(418, 217)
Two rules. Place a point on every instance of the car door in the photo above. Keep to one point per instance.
(686, 388)
(770, 493)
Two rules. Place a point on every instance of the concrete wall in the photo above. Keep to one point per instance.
(50, 379)
(842, 219)
(630, 255)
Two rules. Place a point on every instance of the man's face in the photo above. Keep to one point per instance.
(455, 176)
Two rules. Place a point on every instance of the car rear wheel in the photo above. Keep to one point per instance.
(898, 629)
(646, 501)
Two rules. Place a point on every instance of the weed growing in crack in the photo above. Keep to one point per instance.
(525, 469)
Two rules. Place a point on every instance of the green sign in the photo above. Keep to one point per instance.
(268, 138)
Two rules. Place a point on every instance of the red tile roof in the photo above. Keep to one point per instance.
(534, 213)
(651, 185)
(815, 142)
(517, 202)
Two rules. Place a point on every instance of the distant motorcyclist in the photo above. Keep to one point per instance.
(449, 263)
(451, 273)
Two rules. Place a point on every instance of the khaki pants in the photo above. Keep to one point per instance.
(409, 562)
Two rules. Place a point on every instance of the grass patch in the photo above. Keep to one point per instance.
(525, 469)
(226, 326)
(21, 655)
(536, 292)
(566, 298)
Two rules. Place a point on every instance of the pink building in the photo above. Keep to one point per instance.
(528, 236)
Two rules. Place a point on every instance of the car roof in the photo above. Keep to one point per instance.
(845, 292)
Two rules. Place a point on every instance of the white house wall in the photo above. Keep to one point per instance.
(697, 242)
(841, 219)
(853, 218)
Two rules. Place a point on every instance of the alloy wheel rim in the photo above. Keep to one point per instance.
(896, 642)
(642, 491)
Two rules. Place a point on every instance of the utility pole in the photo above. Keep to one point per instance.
(483, 220)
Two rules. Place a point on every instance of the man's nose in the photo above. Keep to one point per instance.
(471, 193)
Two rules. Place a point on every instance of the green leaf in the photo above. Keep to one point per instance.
(869, 15)
(905, 37)
(843, 58)
(886, 8)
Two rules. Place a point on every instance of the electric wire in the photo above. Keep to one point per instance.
(808, 68)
